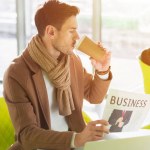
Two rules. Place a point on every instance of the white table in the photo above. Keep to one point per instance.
(139, 140)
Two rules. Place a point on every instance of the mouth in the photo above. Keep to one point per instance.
(73, 44)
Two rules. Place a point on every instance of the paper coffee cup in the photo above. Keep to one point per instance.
(89, 47)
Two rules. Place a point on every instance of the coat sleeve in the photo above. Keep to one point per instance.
(95, 88)
(24, 120)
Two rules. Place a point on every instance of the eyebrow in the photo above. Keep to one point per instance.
(73, 28)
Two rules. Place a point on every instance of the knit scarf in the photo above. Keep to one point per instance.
(58, 73)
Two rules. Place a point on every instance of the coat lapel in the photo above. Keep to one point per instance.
(42, 95)
(39, 85)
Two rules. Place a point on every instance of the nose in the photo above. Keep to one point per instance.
(77, 35)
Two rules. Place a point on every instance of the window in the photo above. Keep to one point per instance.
(8, 46)
(126, 32)
(126, 27)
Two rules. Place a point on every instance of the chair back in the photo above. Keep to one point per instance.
(6, 128)
(146, 76)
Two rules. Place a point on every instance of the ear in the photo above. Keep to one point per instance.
(50, 31)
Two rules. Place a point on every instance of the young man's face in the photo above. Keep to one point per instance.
(65, 38)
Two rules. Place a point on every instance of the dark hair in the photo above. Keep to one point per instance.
(53, 13)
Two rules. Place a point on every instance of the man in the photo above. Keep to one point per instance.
(45, 86)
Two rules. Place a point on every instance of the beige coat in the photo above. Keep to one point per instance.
(27, 100)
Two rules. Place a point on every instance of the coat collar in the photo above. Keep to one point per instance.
(30, 62)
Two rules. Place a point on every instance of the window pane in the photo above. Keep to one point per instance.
(126, 31)
(126, 26)
(8, 46)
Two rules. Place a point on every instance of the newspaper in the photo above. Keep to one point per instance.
(126, 111)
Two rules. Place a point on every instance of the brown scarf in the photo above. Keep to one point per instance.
(58, 72)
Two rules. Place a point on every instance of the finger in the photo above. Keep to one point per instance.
(98, 122)
(102, 122)
(96, 138)
(93, 123)
(91, 58)
(98, 42)
(108, 56)
(99, 134)
(102, 129)
(101, 45)
(93, 61)
(108, 53)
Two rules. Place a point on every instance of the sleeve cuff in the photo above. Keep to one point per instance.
(72, 140)
(104, 77)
